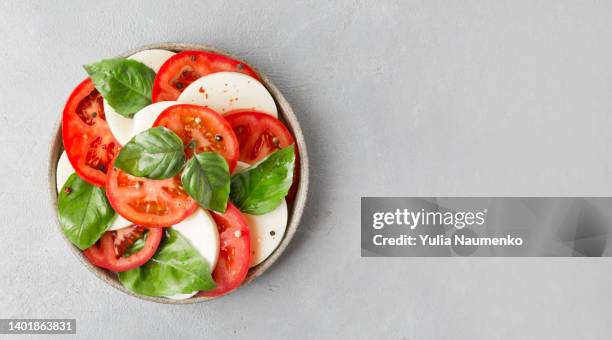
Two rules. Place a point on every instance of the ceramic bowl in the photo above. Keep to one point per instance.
(296, 208)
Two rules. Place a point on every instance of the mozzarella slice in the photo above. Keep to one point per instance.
(120, 126)
(266, 230)
(145, 118)
(120, 223)
(180, 296)
(201, 231)
(227, 91)
(64, 170)
(153, 58)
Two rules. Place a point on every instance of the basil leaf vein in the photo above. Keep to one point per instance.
(206, 178)
(176, 268)
(261, 188)
(125, 84)
(156, 153)
(84, 212)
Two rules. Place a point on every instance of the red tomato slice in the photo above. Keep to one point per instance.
(208, 129)
(183, 68)
(258, 133)
(88, 141)
(235, 251)
(148, 202)
(108, 252)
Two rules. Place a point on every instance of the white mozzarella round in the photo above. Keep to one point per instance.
(201, 231)
(64, 170)
(120, 223)
(145, 118)
(266, 230)
(227, 91)
(120, 126)
(180, 296)
(154, 59)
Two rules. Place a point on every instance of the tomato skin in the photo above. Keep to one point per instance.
(148, 202)
(234, 254)
(104, 255)
(209, 130)
(184, 67)
(88, 141)
(259, 134)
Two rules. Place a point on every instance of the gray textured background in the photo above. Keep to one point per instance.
(440, 98)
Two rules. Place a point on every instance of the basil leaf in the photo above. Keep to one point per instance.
(125, 84)
(176, 268)
(206, 178)
(136, 246)
(84, 212)
(262, 187)
(156, 153)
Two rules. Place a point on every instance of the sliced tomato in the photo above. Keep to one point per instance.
(208, 129)
(234, 254)
(88, 141)
(148, 202)
(259, 134)
(109, 250)
(183, 68)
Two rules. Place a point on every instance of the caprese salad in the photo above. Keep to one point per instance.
(175, 173)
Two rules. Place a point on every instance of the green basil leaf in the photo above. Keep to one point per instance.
(262, 187)
(136, 246)
(156, 153)
(206, 178)
(84, 212)
(125, 84)
(176, 268)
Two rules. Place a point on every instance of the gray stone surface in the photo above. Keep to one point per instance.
(482, 98)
